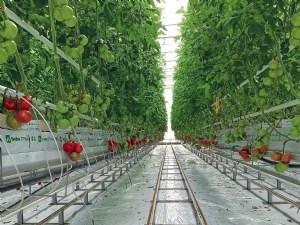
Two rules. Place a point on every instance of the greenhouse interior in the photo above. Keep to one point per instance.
(156, 112)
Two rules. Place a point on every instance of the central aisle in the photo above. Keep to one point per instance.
(222, 201)
(123, 203)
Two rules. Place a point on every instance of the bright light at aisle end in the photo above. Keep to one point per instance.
(171, 20)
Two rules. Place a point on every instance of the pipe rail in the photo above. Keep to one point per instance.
(156, 189)
(200, 218)
(200, 214)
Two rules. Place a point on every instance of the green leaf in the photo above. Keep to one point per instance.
(180, 11)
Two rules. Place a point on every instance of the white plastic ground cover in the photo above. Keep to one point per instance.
(224, 202)
(66, 194)
(122, 203)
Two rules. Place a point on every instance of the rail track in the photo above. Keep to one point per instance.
(174, 201)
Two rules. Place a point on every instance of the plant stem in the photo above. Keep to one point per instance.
(17, 57)
(286, 74)
(77, 32)
(252, 83)
(55, 55)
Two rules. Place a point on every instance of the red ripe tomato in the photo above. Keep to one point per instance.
(132, 142)
(25, 103)
(129, 143)
(263, 149)
(23, 116)
(10, 103)
(74, 156)
(112, 145)
(243, 153)
(286, 158)
(69, 146)
(78, 147)
(275, 155)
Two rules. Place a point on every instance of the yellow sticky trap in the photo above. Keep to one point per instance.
(217, 104)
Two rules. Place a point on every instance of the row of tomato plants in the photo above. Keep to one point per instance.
(224, 45)
(113, 41)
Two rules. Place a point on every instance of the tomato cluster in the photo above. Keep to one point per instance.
(263, 138)
(75, 46)
(73, 149)
(8, 47)
(102, 100)
(253, 153)
(112, 145)
(67, 115)
(295, 129)
(19, 110)
(275, 72)
(295, 39)
(64, 13)
(203, 141)
(283, 160)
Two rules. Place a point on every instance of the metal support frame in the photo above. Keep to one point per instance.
(234, 175)
(1, 169)
(20, 217)
(224, 169)
(61, 218)
(259, 175)
(248, 185)
(279, 184)
(270, 197)
(270, 191)
(77, 187)
(54, 197)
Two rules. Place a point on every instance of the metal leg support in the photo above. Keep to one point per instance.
(103, 186)
(279, 184)
(20, 217)
(234, 175)
(54, 199)
(61, 218)
(270, 197)
(77, 186)
(86, 198)
(259, 175)
(248, 185)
